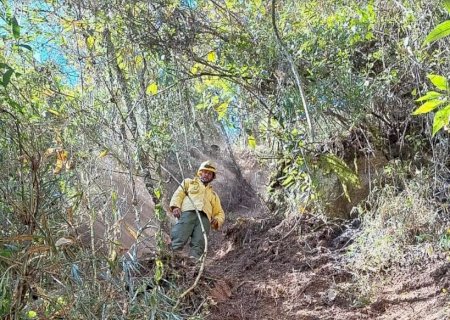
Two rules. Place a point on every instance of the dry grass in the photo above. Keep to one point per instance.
(403, 228)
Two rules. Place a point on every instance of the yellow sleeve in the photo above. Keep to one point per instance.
(217, 211)
(179, 195)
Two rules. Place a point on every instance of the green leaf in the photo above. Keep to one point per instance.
(103, 154)
(26, 46)
(212, 56)
(160, 214)
(7, 77)
(157, 192)
(15, 105)
(15, 28)
(441, 31)
(120, 61)
(439, 81)
(288, 181)
(90, 42)
(447, 5)
(215, 100)
(441, 119)
(340, 168)
(196, 68)
(428, 106)
(201, 106)
(251, 142)
(159, 270)
(429, 96)
(54, 112)
(152, 89)
(222, 110)
(5, 252)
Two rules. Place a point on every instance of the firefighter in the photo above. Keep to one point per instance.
(191, 196)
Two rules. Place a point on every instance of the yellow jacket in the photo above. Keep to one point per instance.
(201, 198)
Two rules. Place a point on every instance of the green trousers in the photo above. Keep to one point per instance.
(189, 226)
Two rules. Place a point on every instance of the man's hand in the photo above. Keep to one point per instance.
(214, 223)
(176, 212)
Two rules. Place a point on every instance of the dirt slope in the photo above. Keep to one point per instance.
(263, 268)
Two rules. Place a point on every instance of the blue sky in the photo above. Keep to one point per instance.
(47, 49)
(42, 37)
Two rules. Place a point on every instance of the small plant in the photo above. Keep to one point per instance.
(435, 99)
(444, 241)
(398, 231)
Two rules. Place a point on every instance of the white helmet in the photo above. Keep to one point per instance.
(208, 166)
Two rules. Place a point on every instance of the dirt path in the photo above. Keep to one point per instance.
(261, 269)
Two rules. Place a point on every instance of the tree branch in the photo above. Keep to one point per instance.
(294, 71)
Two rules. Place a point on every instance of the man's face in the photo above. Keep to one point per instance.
(206, 176)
